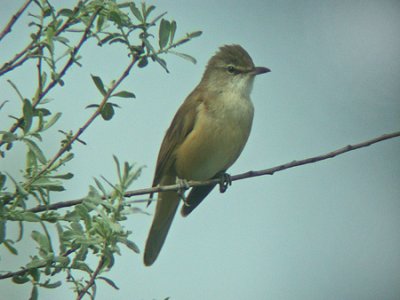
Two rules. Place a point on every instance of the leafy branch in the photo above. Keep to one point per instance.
(94, 226)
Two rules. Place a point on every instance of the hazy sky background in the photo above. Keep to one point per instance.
(329, 230)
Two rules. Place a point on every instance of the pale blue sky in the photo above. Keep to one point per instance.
(324, 231)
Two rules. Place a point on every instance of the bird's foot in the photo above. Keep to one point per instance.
(224, 181)
(183, 186)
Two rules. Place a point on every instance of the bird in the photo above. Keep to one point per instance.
(205, 137)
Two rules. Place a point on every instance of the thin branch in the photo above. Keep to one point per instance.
(92, 279)
(29, 50)
(88, 122)
(25, 270)
(68, 64)
(14, 19)
(241, 176)
(71, 59)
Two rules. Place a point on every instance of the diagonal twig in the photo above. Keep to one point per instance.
(14, 19)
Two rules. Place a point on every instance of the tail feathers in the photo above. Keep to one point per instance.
(167, 205)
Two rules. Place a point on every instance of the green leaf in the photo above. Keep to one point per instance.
(172, 32)
(109, 281)
(42, 240)
(7, 244)
(92, 106)
(99, 84)
(30, 217)
(162, 62)
(124, 94)
(52, 121)
(36, 150)
(194, 34)
(42, 111)
(63, 176)
(153, 22)
(49, 285)
(136, 12)
(115, 17)
(148, 11)
(8, 137)
(16, 89)
(36, 263)
(62, 261)
(46, 182)
(65, 12)
(81, 265)
(100, 22)
(131, 245)
(163, 33)
(100, 187)
(28, 114)
(3, 179)
(184, 56)
(2, 231)
(19, 188)
(21, 279)
(107, 112)
(3, 103)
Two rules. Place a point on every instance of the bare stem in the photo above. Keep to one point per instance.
(14, 19)
(92, 279)
(248, 174)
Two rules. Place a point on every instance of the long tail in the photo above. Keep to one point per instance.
(167, 205)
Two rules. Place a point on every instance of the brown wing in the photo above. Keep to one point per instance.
(180, 127)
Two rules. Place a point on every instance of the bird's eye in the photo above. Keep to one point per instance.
(232, 70)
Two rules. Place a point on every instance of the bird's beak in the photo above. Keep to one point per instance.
(259, 70)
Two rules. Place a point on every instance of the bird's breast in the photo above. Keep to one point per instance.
(221, 130)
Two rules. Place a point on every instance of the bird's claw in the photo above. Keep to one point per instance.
(224, 181)
(183, 186)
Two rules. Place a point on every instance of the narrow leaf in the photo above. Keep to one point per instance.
(42, 240)
(52, 121)
(136, 12)
(109, 281)
(28, 114)
(36, 150)
(99, 84)
(51, 285)
(162, 62)
(65, 12)
(124, 94)
(184, 56)
(194, 34)
(7, 244)
(163, 33)
(30, 217)
(92, 106)
(63, 176)
(172, 32)
(131, 245)
(3, 179)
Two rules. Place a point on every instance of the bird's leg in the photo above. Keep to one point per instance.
(183, 186)
(224, 181)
